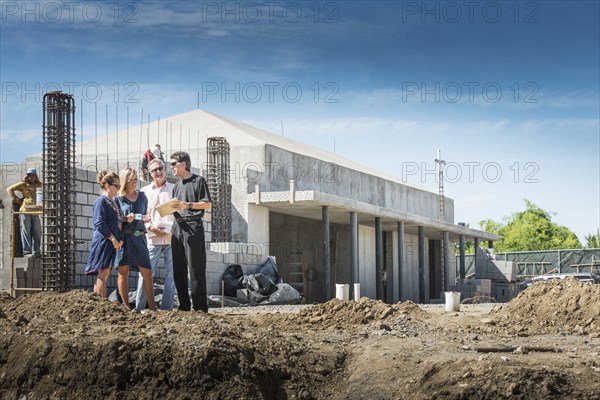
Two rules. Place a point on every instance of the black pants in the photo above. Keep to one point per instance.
(189, 254)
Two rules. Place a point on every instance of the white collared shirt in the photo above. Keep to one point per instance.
(156, 197)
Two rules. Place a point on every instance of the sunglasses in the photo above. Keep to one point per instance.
(117, 186)
(157, 169)
(174, 163)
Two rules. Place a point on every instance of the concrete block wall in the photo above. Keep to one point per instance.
(500, 291)
(487, 267)
(504, 292)
(87, 192)
(28, 274)
(472, 287)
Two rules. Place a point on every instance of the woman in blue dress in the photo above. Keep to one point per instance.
(134, 255)
(107, 235)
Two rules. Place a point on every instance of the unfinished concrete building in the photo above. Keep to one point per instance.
(324, 217)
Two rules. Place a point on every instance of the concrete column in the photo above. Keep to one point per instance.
(326, 256)
(461, 247)
(447, 274)
(354, 246)
(379, 258)
(476, 245)
(400, 266)
(421, 231)
(258, 227)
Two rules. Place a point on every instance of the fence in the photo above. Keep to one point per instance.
(532, 263)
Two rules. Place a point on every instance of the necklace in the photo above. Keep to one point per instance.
(117, 210)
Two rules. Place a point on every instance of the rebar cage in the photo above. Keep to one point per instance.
(58, 222)
(217, 150)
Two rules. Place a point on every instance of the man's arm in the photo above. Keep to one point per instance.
(144, 169)
(199, 205)
(11, 191)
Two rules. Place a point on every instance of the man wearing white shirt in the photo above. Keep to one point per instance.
(158, 192)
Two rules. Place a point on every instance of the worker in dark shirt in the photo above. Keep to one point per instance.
(187, 240)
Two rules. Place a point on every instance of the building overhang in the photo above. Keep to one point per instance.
(309, 203)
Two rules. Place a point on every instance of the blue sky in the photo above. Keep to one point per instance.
(508, 90)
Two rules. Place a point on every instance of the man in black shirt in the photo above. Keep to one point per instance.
(187, 240)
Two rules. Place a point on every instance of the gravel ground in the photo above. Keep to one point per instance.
(253, 310)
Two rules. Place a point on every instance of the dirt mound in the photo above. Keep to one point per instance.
(564, 306)
(76, 306)
(75, 345)
(473, 382)
(341, 313)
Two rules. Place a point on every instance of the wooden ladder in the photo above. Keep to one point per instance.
(296, 277)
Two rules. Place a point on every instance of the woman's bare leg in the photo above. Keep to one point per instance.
(148, 287)
(123, 284)
(100, 284)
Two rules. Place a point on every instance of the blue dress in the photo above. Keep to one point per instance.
(107, 220)
(135, 251)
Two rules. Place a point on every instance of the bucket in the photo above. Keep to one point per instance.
(342, 291)
(452, 301)
(356, 291)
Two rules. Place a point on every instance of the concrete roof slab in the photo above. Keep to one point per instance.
(309, 203)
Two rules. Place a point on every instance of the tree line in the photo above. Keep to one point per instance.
(533, 230)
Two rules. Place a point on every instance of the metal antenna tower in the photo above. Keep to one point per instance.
(58, 160)
(217, 150)
(442, 216)
(440, 165)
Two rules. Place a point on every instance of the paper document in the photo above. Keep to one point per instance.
(168, 208)
(164, 226)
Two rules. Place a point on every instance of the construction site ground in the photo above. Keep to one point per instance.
(543, 344)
